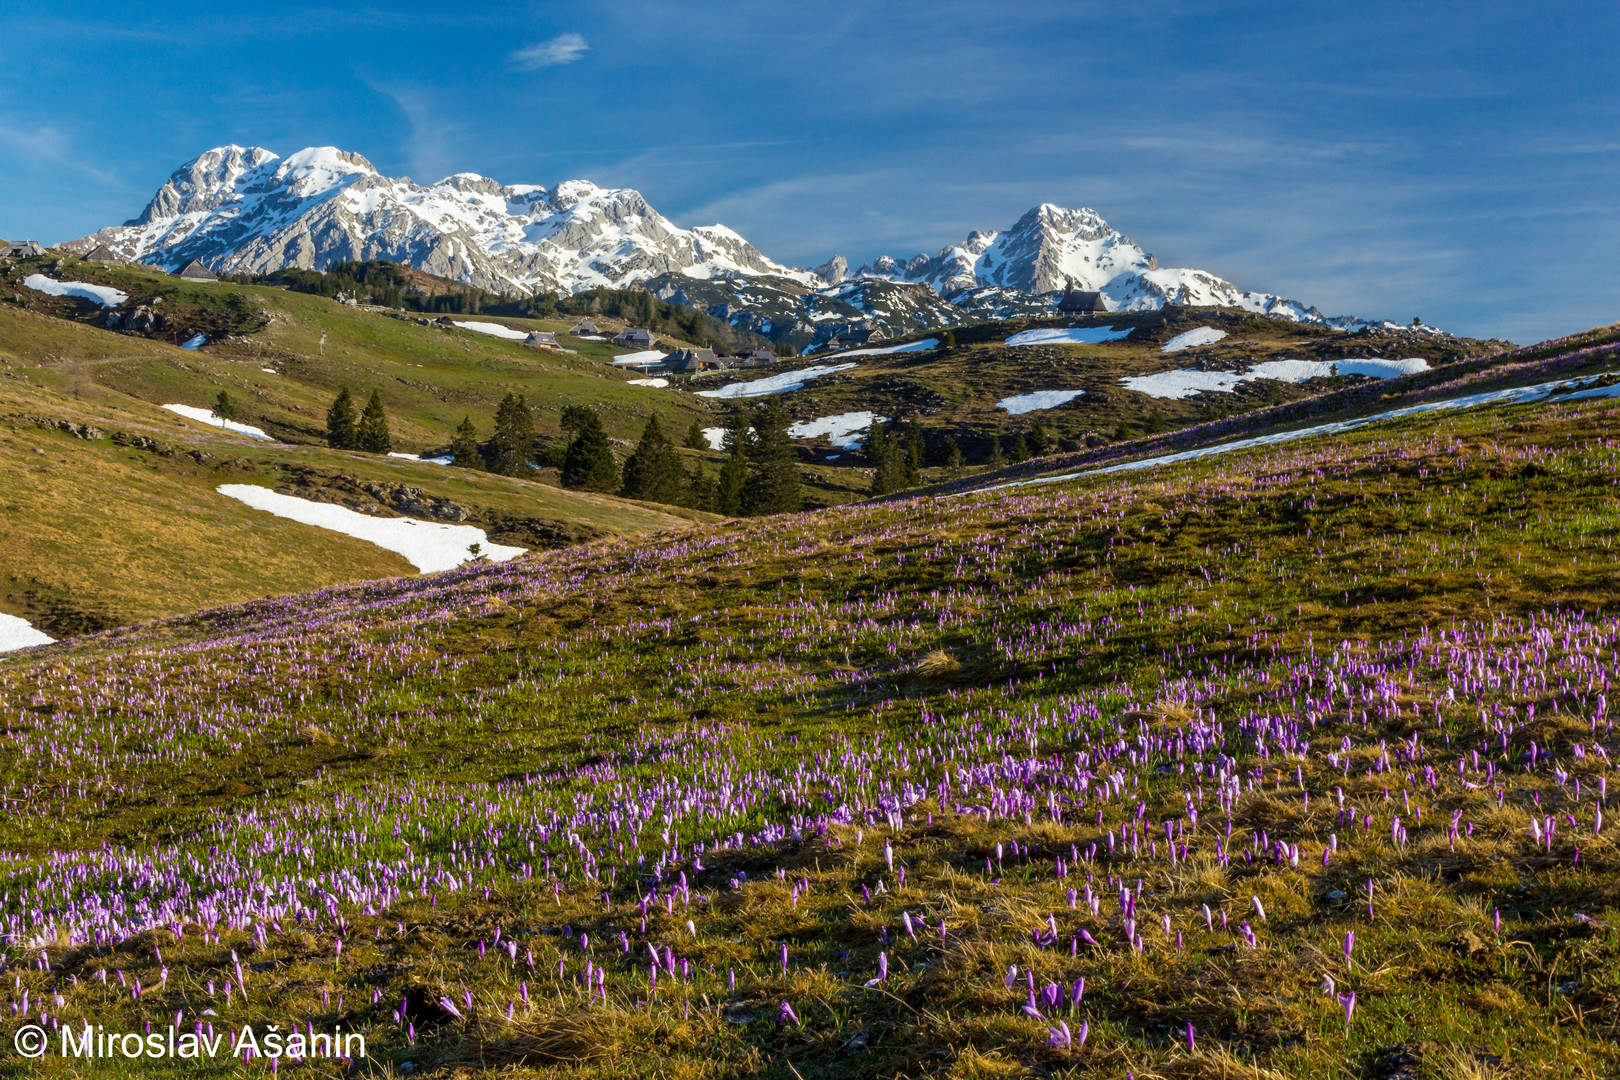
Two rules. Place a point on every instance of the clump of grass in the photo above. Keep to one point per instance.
(937, 664)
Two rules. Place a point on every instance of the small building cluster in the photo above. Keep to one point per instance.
(854, 336)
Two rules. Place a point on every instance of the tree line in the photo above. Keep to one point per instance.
(759, 475)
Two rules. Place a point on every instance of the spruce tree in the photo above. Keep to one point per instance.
(513, 441)
(773, 463)
(340, 422)
(464, 447)
(224, 407)
(701, 490)
(695, 439)
(996, 459)
(653, 471)
(588, 464)
(728, 494)
(1036, 438)
(1017, 449)
(911, 467)
(953, 458)
(372, 433)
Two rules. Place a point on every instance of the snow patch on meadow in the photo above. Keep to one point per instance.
(427, 545)
(1199, 335)
(775, 384)
(445, 460)
(493, 329)
(846, 430)
(716, 437)
(1090, 335)
(660, 383)
(1019, 404)
(104, 295)
(1185, 382)
(19, 633)
(1517, 395)
(645, 358)
(910, 346)
(206, 416)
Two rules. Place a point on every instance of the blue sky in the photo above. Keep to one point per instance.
(1455, 161)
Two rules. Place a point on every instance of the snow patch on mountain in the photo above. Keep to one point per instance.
(246, 210)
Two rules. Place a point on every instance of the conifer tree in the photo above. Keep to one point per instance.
(953, 458)
(340, 432)
(728, 494)
(653, 471)
(1017, 449)
(513, 441)
(464, 447)
(695, 439)
(372, 433)
(911, 467)
(996, 459)
(773, 463)
(1036, 438)
(701, 490)
(588, 464)
(224, 407)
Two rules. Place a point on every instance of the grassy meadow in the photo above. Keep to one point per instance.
(1290, 762)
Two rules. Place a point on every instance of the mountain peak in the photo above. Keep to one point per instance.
(244, 210)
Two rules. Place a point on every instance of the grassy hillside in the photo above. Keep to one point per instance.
(100, 532)
(1297, 757)
(954, 390)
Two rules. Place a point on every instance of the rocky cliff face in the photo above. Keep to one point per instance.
(245, 210)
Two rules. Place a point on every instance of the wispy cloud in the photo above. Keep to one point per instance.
(562, 49)
(46, 145)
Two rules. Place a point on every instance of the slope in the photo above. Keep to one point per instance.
(1289, 762)
(111, 513)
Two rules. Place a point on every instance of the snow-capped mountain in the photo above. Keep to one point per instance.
(1049, 247)
(245, 210)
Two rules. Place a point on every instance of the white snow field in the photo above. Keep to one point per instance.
(1090, 335)
(1185, 382)
(206, 416)
(1518, 395)
(493, 329)
(660, 383)
(846, 430)
(775, 384)
(427, 545)
(716, 437)
(1019, 404)
(1201, 335)
(639, 359)
(910, 346)
(104, 295)
(418, 457)
(18, 633)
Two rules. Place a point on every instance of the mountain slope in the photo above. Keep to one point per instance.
(1287, 764)
(247, 211)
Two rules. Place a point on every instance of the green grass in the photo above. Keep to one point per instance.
(1135, 607)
